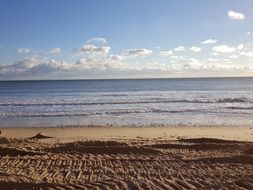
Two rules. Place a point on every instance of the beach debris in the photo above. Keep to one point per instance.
(40, 136)
(3, 139)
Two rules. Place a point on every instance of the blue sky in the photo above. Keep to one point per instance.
(51, 39)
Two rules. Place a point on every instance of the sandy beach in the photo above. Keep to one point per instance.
(126, 95)
(91, 132)
(169, 157)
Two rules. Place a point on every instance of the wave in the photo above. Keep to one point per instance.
(120, 112)
(240, 108)
(106, 113)
(76, 103)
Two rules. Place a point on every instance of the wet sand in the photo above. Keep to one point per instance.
(127, 158)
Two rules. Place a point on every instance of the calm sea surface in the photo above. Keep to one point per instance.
(199, 101)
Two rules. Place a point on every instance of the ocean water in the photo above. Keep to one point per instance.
(196, 101)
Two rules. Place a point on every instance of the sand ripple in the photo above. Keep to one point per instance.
(129, 164)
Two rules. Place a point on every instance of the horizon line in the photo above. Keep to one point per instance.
(141, 78)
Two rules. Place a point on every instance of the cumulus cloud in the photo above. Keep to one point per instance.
(54, 51)
(192, 63)
(112, 64)
(209, 41)
(183, 49)
(235, 15)
(27, 63)
(35, 64)
(89, 48)
(195, 49)
(180, 48)
(97, 40)
(174, 57)
(233, 56)
(98, 58)
(224, 49)
(116, 57)
(23, 50)
(137, 52)
(166, 53)
(248, 54)
(22, 66)
(212, 59)
(240, 46)
(92, 57)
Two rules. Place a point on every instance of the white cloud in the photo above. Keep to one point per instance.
(113, 64)
(212, 59)
(97, 58)
(224, 49)
(166, 53)
(195, 49)
(240, 47)
(116, 58)
(248, 33)
(248, 54)
(174, 57)
(23, 50)
(235, 15)
(180, 48)
(27, 63)
(209, 41)
(137, 52)
(87, 64)
(193, 63)
(97, 40)
(33, 65)
(227, 60)
(89, 48)
(233, 56)
(54, 51)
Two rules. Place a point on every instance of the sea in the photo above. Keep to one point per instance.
(127, 102)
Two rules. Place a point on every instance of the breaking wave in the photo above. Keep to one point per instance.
(76, 103)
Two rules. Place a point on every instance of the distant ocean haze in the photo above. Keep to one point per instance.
(192, 101)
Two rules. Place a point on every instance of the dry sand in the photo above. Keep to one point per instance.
(127, 158)
(66, 134)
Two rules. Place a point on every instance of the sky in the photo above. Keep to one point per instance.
(96, 39)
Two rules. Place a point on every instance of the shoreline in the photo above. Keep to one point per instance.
(95, 132)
